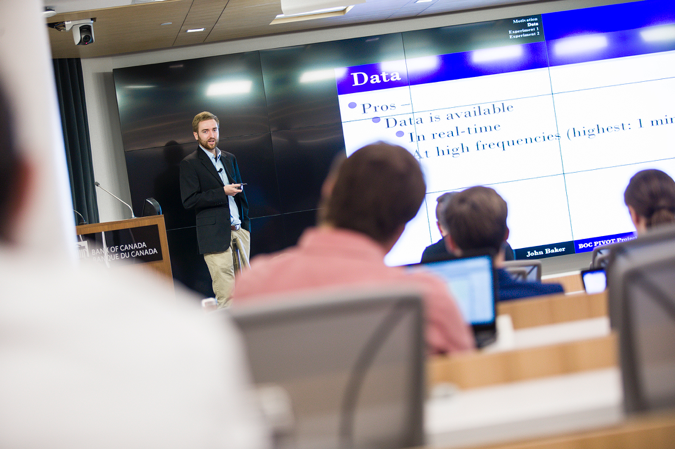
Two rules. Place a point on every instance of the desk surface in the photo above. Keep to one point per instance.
(562, 332)
(551, 334)
(525, 409)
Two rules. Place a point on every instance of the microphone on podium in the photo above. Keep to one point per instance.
(80, 215)
(96, 183)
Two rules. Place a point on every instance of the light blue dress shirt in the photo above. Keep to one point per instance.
(234, 210)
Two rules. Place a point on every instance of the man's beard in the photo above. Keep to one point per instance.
(206, 145)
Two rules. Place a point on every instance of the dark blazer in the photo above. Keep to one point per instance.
(436, 251)
(202, 189)
(511, 289)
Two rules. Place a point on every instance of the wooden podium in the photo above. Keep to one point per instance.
(137, 241)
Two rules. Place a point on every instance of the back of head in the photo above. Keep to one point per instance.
(8, 163)
(476, 219)
(377, 190)
(651, 193)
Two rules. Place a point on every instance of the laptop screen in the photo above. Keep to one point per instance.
(595, 281)
(471, 281)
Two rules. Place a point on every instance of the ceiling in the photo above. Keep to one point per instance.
(125, 26)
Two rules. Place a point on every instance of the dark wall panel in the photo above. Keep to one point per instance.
(296, 223)
(153, 173)
(256, 164)
(274, 233)
(303, 158)
(187, 264)
(267, 235)
(157, 102)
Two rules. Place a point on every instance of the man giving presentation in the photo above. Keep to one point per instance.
(210, 184)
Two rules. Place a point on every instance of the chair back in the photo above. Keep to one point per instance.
(642, 308)
(524, 270)
(352, 364)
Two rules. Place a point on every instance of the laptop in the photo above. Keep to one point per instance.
(473, 283)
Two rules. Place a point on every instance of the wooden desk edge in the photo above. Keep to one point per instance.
(476, 369)
(652, 431)
(552, 309)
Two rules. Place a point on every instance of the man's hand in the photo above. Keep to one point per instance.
(232, 189)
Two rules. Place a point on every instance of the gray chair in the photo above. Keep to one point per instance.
(351, 364)
(642, 308)
(601, 256)
(524, 270)
(151, 207)
(239, 256)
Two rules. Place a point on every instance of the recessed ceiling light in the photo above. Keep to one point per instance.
(424, 1)
(166, 23)
(312, 15)
(195, 30)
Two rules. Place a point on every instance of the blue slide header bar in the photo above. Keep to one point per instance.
(432, 69)
(572, 37)
(608, 19)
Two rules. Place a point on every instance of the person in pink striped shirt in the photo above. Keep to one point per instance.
(366, 202)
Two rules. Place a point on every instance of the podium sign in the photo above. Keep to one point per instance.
(120, 243)
(131, 245)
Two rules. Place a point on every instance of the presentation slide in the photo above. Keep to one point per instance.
(556, 113)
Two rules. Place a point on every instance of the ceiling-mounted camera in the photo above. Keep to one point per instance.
(83, 30)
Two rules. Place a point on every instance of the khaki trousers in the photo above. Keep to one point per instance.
(221, 267)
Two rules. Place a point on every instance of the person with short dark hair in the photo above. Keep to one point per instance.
(210, 184)
(438, 250)
(367, 202)
(476, 219)
(650, 197)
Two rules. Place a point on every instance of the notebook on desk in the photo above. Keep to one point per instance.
(473, 283)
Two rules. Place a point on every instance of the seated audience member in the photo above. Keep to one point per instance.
(366, 202)
(650, 197)
(476, 220)
(438, 250)
(92, 358)
(508, 252)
